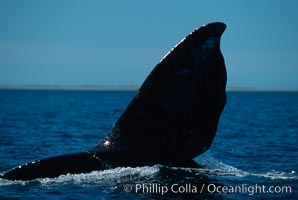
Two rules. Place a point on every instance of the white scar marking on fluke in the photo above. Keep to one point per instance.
(107, 143)
(172, 49)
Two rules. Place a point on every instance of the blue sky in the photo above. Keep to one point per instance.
(107, 42)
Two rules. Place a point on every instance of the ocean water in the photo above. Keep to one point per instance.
(253, 155)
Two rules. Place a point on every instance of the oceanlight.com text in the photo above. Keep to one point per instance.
(154, 188)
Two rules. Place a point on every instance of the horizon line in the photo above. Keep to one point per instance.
(126, 88)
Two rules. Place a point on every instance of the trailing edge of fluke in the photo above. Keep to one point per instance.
(172, 118)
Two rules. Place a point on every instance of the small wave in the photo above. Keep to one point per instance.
(117, 175)
(278, 175)
(212, 166)
(5, 182)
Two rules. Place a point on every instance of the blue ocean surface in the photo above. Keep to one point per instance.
(253, 155)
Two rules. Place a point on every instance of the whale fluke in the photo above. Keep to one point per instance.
(172, 118)
(176, 110)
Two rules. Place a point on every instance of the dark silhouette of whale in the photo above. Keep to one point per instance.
(172, 118)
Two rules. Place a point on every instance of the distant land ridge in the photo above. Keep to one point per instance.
(126, 88)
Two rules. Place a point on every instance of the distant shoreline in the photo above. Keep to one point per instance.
(127, 88)
(78, 88)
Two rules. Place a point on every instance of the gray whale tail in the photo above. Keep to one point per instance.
(172, 118)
